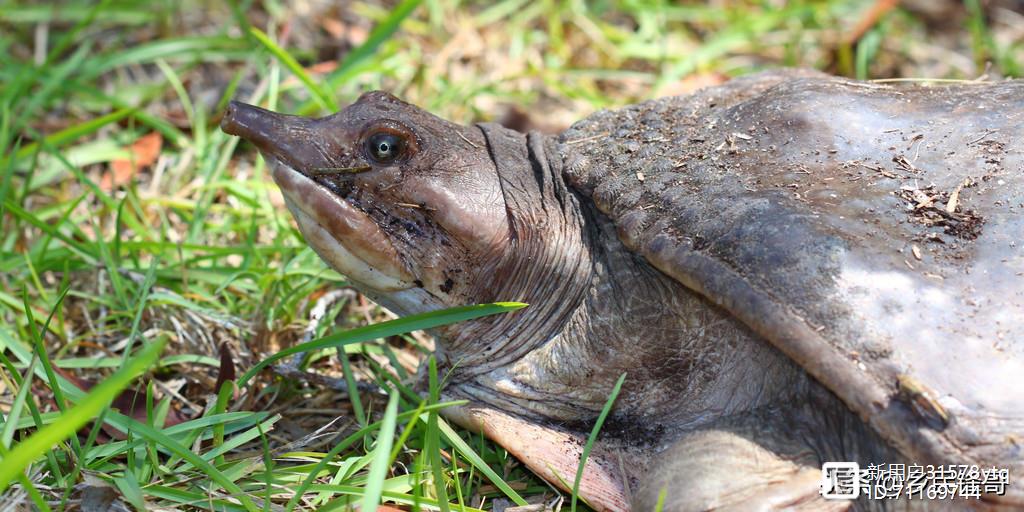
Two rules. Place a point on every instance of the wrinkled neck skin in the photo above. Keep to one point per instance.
(544, 263)
(597, 311)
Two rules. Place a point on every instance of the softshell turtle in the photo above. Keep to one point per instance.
(791, 268)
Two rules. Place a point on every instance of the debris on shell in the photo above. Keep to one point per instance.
(954, 197)
(922, 399)
(933, 208)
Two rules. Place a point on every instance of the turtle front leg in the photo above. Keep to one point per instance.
(769, 458)
(734, 469)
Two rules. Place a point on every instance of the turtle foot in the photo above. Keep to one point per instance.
(728, 470)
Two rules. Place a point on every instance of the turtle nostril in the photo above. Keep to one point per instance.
(228, 122)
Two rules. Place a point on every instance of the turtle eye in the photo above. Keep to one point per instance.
(385, 147)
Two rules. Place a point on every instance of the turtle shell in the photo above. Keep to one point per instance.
(873, 233)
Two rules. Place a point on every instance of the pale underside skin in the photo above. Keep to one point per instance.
(344, 237)
(350, 242)
(759, 285)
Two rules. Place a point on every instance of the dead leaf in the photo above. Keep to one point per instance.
(226, 372)
(923, 200)
(144, 153)
(322, 68)
(333, 26)
(954, 197)
(354, 35)
(869, 19)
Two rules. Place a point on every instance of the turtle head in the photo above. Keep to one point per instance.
(416, 211)
(388, 194)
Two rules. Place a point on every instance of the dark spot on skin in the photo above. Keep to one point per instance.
(448, 285)
(700, 243)
(413, 229)
(418, 283)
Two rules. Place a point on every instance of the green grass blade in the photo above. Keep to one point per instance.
(234, 442)
(35, 420)
(407, 431)
(71, 133)
(6, 164)
(130, 490)
(226, 391)
(420, 503)
(44, 358)
(46, 438)
(214, 47)
(660, 505)
(381, 455)
(165, 441)
(83, 251)
(40, 348)
(14, 412)
(474, 458)
(57, 79)
(308, 483)
(187, 500)
(282, 55)
(380, 33)
(198, 130)
(867, 50)
(140, 304)
(593, 437)
(105, 198)
(402, 325)
(432, 443)
(353, 390)
(29, 486)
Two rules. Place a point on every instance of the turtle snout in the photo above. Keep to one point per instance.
(294, 140)
(251, 123)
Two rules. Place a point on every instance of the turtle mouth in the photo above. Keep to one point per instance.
(342, 235)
